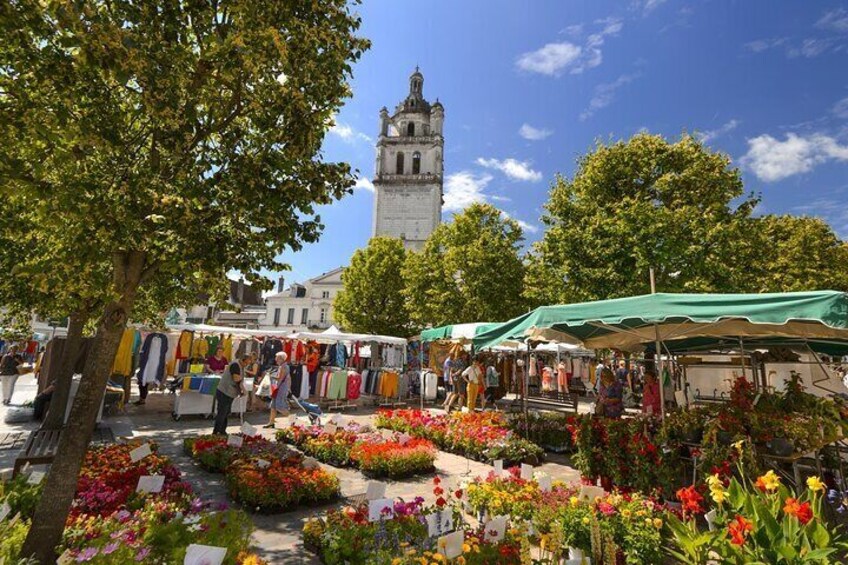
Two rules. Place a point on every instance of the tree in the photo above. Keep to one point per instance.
(372, 300)
(169, 141)
(798, 253)
(470, 270)
(637, 204)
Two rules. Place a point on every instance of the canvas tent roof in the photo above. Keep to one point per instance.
(457, 331)
(629, 323)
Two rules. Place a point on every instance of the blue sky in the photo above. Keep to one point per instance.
(529, 86)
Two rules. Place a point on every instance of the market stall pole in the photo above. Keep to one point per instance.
(658, 348)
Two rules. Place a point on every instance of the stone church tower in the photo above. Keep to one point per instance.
(408, 182)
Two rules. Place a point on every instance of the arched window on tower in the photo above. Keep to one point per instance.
(410, 129)
(416, 163)
(400, 163)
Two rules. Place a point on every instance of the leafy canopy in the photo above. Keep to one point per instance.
(470, 270)
(372, 300)
(642, 203)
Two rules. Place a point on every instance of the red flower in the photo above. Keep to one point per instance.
(440, 502)
(438, 491)
(458, 493)
(738, 529)
(437, 481)
(801, 511)
(691, 500)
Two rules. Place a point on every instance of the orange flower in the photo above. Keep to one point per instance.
(738, 529)
(801, 511)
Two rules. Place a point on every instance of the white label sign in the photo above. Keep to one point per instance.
(380, 509)
(330, 428)
(235, 440)
(403, 439)
(495, 529)
(140, 452)
(451, 545)
(248, 430)
(204, 555)
(150, 483)
(376, 490)
(499, 467)
(590, 493)
(35, 477)
(680, 397)
(262, 464)
(291, 420)
(544, 482)
(387, 434)
(4, 510)
(526, 472)
(439, 523)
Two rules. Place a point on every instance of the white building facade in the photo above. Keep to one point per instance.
(303, 307)
(410, 163)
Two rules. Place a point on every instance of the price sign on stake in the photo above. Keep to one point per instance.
(292, 419)
(204, 555)
(544, 483)
(451, 545)
(380, 509)
(499, 467)
(4, 511)
(35, 477)
(262, 464)
(526, 472)
(590, 493)
(330, 428)
(495, 529)
(235, 440)
(376, 490)
(248, 430)
(140, 452)
(150, 483)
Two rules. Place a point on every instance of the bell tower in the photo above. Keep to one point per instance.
(408, 178)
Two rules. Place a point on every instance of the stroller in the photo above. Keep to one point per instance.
(312, 410)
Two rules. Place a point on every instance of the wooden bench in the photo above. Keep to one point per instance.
(40, 448)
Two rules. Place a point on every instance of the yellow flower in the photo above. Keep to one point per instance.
(738, 445)
(574, 501)
(625, 513)
(585, 520)
(397, 561)
(658, 523)
(815, 484)
(466, 548)
(717, 491)
(769, 482)
(460, 560)
(640, 513)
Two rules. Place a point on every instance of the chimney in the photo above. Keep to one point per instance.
(280, 283)
(241, 291)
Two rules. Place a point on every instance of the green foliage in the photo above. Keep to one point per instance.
(12, 535)
(21, 496)
(372, 299)
(470, 270)
(636, 204)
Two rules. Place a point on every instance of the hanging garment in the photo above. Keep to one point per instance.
(270, 348)
(227, 344)
(184, 345)
(356, 358)
(304, 383)
(123, 358)
(246, 347)
(364, 381)
(354, 382)
(152, 363)
(212, 343)
(299, 352)
(341, 355)
(199, 348)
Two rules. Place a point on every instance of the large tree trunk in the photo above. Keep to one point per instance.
(51, 513)
(70, 354)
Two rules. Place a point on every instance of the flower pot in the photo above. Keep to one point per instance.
(781, 447)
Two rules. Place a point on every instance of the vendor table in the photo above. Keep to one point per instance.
(197, 396)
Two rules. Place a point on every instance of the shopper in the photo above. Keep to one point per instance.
(9, 373)
(611, 395)
(447, 374)
(216, 363)
(623, 375)
(473, 376)
(252, 371)
(492, 384)
(280, 390)
(228, 390)
(651, 404)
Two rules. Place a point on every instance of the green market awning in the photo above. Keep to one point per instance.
(457, 331)
(630, 323)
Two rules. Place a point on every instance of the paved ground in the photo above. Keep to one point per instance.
(277, 537)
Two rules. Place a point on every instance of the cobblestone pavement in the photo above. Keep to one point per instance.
(277, 536)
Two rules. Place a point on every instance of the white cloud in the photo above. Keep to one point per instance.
(709, 135)
(840, 109)
(463, 189)
(554, 58)
(525, 226)
(514, 169)
(831, 210)
(534, 134)
(835, 20)
(347, 133)
(497, 198)
(811, 47)
(760, 45)
(550, 59)
(605, 94)
(363, 183)
(773, 160)
(650, 5)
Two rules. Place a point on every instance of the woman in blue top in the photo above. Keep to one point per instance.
(612, 392)
(279, 400)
